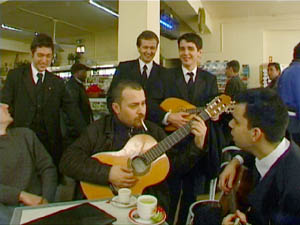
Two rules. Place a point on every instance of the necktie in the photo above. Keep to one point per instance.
(40, 80)
(190, 85)
(144, 75)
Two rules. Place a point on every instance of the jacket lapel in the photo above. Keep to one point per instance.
(48, 86)
(29, 84)
(181, 84)
(199, 86)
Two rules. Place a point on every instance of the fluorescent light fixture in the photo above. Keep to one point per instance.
(166, 25)
(3, 26)
(96, 4)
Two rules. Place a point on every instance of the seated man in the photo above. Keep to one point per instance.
(259, 123)
(27, 173)
(112, 132)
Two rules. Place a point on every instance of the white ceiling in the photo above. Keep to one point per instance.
(76, 18)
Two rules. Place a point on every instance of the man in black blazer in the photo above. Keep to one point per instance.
(198, 87)
(142, 70)
(75, 87)
(36, 96)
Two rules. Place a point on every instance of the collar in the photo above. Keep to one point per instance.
(149, 66)
(35, 72)
(122, 129)
(265, 164)
(187, 77)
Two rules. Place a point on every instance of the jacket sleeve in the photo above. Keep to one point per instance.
(44, 166)
(9, 195)
(8, 91)
(77, 163)
(118, 76)
(156, 97)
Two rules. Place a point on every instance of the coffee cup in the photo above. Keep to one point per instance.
(124, 195)
(146, 206)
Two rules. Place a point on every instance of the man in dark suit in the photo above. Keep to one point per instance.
(142, 70)
(259, 124)
(36, 96)
(75, 87)
(198, 87)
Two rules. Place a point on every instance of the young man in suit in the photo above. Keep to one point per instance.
(76, 89)
(259, 123)
(112, 132)
(190, 83)
(142, 70)
(36, 96)
(28, 175)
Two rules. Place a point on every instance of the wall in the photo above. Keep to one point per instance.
(252, 41)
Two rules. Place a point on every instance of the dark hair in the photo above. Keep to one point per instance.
(297, 51)
(191, 37)
(235, 65)
(121, 86)
(266, 111)
(275, 65)
(77, 67)
(146, 35)
(41, 40)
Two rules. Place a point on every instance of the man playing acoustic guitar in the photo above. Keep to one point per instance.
(112, 132)
(259, 124)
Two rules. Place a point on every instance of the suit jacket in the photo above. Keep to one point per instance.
(78, 94)
(276, 197)
(172, 84)
(18, 93)
(130, 70)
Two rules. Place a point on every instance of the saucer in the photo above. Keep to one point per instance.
(115, 202)
(135, 219)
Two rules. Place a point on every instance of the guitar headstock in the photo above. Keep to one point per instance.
(219, 105)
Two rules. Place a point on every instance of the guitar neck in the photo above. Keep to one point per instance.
(171, 140)
(195, 111)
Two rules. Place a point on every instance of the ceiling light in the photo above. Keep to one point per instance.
(96, 4)
(3, 26)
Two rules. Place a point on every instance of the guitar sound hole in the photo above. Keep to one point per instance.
(139, 166)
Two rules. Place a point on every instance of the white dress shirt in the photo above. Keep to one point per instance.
(35, 72)
(149, 67)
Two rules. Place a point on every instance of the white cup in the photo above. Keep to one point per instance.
(146, 206)
(124, 195)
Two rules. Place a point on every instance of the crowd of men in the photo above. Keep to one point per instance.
(34, 102)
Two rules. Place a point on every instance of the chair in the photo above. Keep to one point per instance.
(213, 205)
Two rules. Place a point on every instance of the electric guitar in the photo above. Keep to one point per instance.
(175, 105)
(146, 157)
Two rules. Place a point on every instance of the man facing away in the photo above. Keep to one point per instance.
(36, 96)
(142, 70)
(198, 87)
(259, 122)
(112, 132)
(288, 89)
(27, 175)
(76, 89)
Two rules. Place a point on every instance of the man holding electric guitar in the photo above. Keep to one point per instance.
(259, 124)
(198, 87)
(128, 130)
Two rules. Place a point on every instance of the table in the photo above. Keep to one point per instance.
(25, 214)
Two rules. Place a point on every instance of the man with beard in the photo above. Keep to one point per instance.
(112, 132)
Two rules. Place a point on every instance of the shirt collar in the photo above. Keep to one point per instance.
(187, 77)
(35, 72)
(265, 164)
(149, 66)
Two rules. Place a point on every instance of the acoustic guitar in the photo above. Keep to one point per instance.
(175, 105)
(146, 157)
